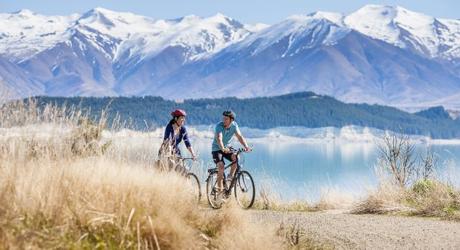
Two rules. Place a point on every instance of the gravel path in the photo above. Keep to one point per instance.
(348, 231)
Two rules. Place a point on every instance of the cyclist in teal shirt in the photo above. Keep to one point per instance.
(223, 134)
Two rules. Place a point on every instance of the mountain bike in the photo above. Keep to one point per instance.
(192, 180)
(241, 183)
(168, 160)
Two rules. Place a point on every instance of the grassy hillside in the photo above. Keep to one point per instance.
(64, 186)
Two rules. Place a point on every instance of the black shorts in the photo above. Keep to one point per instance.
(218, 156)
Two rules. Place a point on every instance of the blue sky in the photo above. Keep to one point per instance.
(247, 11)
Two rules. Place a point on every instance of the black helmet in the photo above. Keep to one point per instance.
(229, 114)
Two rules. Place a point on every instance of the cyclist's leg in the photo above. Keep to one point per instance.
(233, 167)
(219, 161)
(231, 157)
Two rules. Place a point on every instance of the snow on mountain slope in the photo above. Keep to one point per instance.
(256, 27)
(382, 54)
(201, 36)
(334, 17)
(141, 37)
(89, 54)
(429, 36)
(303, 32)
(118, 24)
(24, 33)
(408, 29)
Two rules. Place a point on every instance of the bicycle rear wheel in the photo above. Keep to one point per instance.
(214, 198)
(194, 185)
(245, 191)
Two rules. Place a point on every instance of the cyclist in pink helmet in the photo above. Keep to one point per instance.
(176, 132)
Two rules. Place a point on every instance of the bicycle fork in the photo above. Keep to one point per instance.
(228, 189)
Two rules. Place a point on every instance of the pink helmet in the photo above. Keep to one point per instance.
(178, 112)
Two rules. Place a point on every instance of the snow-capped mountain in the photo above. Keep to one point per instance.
(431, 36)
(304, 32)
(26, 33)
(95, 53)
(377, 54)
(323, 58)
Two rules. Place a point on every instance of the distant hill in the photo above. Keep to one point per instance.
(434, 113)
(299, 109)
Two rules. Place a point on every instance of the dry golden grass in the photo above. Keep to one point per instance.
(387, 198)
(296, 238)
(407, 186)
(63, 186)
(97, 202)
(330, 199)
(433, 198)
(424, 198)
(269, 199)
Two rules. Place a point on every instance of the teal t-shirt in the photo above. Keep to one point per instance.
(227, 134)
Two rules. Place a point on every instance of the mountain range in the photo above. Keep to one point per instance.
(378, 54)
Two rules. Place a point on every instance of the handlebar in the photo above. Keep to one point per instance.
(185, 158)
(238, 151)
(233, 150)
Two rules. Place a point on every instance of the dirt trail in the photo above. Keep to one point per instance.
(348, 231)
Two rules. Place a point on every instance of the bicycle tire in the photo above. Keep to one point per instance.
(211, 191)
(195, 183)
(245, 184)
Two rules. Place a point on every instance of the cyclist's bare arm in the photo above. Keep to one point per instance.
(192, 152)
(242, 140)
(221, 143)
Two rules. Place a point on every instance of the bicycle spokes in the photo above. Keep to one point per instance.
(245, 190)
(242, 183)
(212, 191)
(242, 186)
(194, 187)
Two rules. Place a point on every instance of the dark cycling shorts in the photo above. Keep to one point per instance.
(218, 156)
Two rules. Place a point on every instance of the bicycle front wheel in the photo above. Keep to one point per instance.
(212, 193)
(245, 191)
(194, 186)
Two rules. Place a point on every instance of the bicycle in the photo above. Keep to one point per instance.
(179, 165)
(192, 179)
(242, 183)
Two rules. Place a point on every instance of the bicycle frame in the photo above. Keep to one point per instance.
(228, 189)
(182, 161)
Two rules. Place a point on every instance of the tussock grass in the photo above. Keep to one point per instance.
(330, 199)
(426, 197)
(96, 202)
(296, 237)
(407, 187)
(433, 198)
(269, 199)
(63, 186)
(387, 198)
